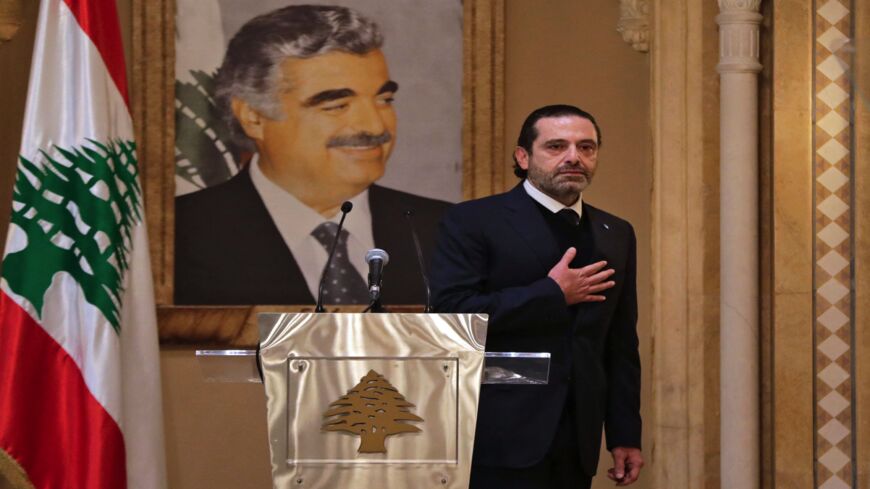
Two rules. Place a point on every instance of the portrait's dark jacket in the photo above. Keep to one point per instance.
(229, 251)
(493, 256)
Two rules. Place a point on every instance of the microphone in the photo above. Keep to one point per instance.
(345, 209)
(409, 215)
(377, 260)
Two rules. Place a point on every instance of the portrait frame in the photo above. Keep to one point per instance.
(152, 99)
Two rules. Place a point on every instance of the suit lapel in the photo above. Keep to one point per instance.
(525, 218)
(268, 242)
(601, 247)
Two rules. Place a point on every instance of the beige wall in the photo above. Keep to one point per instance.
(215, 432)
(15, 69)
(568, 52)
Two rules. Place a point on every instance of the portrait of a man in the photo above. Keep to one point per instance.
(305, 93)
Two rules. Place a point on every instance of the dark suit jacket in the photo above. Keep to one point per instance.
(493, 256)
(229, 251)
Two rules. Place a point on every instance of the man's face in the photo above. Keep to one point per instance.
(338, 126)
(564, 157)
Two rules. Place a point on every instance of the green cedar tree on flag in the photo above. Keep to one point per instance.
(80, 403)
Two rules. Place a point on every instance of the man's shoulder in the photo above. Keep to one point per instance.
(384, 199)
(218, 199)
(391, 194)
(488, 203)
(218, 213)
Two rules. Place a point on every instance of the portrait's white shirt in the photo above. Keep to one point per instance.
(296, 221)
(550, 203)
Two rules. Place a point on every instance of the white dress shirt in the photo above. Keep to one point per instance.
(550, 203)
(296, 221)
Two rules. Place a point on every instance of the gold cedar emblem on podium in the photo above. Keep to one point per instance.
(372, 409)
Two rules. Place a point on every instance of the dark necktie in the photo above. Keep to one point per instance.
(570, 216)
(342, 283)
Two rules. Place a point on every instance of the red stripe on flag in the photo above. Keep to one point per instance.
(99, 20)
(49, 421)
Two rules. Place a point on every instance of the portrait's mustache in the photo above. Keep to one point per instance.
(360, 140)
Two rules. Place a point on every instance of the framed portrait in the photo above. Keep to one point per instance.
(436, 85)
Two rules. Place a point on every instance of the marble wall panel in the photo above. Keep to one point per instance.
(791, 351)
(861, 258)
(833, 247)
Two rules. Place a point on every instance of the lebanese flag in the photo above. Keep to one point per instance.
(80, 403)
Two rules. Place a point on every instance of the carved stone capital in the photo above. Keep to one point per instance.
(739, 5)
(634, 23)
(739, 36)
(11, 18)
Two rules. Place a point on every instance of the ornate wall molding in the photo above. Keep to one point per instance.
(634, 23)
(739, 5)
(11, 18)
(739, 36)
(684, 242)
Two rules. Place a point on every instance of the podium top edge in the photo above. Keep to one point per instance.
(489, 354)
(360, 313)
(225, 353)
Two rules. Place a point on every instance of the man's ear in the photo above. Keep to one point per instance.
(249, 118)
(521, 157)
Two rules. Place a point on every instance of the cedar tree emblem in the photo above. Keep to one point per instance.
(374, 410)
(79, 209)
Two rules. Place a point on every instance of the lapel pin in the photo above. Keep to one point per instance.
(605, 226)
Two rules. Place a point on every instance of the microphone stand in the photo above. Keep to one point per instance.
(375, 306)
(409, 215)
(345, 209)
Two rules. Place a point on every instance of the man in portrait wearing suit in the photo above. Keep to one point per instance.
(555, 275)
(306, 88)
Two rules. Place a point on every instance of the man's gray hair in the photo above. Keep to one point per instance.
(251, 70)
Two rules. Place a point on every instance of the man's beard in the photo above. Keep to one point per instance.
(565, 190)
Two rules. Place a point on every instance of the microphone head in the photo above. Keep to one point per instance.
(409, 213)
(377, 254)
(346, 206)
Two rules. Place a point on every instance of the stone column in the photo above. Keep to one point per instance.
(739, 230)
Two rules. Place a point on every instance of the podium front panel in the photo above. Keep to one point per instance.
(430, 384)
(372, 400)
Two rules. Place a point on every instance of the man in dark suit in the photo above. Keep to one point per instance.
(555, 275)
(307, 90)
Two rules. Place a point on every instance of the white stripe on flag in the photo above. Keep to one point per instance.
(66, 105)
(143, 405)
